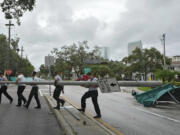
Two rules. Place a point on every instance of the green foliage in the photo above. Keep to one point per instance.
(144, 61)
(175, 83)
(144, 88)
(9, 59)
(165, 75)
(117, 69)
(74, 57)
(16, 8)
(101, 70)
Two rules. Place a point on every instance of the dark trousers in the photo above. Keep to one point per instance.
(34, 92)
(3, 90)
(94, 96)
(56, 95)
(20, 95)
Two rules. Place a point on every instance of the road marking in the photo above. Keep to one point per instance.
(41, 93)
(68, 107)
(45, 93)
(112, 129)
(158, 115)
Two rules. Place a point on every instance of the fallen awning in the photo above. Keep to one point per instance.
(167, 92)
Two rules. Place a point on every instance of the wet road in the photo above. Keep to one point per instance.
(20, 121)
(122, 111)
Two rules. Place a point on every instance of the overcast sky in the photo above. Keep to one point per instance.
(106, 23)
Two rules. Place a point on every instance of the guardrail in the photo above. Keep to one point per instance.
(121, 83)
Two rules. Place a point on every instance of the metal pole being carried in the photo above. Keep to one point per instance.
(121, 83)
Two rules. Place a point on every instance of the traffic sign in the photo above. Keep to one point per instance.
(103, 87)
(108, 85)
(49, 61)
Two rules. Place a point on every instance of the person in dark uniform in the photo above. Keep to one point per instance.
(58, 89)
(93, 93)
(34, 92)
(20, 90)
(3, 88)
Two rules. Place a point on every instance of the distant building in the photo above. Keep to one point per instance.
(104, 52)
(92, 61)
(133, 45)
(176, 63)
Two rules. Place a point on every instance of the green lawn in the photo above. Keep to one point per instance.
(144, 88)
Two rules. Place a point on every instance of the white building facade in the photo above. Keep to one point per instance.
(133, 45)
(176, 63)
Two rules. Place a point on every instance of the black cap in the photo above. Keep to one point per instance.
(34, 72)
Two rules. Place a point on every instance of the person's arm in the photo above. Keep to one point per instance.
(63, 89)
(5, 79)
(85, 85)
(55, 82)
(17, 80)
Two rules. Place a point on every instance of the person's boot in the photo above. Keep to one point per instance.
(97, 116)
(37, 107)
(57, 108)
(63, 102)
(18, 105)
(81, 110)
(25, 102)
(11, 100)
(26, 106)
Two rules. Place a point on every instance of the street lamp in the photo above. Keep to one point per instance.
(164, 50)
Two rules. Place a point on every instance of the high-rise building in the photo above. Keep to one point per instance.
(133, 45)
(104, 52)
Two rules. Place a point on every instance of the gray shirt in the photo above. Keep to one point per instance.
(3, 78)
(58, 79)
(35, 79)
(93, 80)
(21, 79)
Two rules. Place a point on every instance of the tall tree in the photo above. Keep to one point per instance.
(145, 61)
(16, 8)
(10, 59)
(74, 56)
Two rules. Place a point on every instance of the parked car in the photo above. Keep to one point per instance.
(83, 78)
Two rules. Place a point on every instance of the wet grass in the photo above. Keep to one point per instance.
(144, 88)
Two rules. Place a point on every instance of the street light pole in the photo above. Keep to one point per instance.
(9, 39)
(164, 50)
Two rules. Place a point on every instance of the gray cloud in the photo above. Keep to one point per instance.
(51, 24)
(147, 21)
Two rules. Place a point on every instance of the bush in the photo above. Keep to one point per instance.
(165, 75)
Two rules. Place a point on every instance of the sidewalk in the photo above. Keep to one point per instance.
(129, 89)
(20, 121)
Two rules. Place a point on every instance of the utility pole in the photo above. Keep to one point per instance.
(22, 50)
(164, 50)
(9, 40)
(9, 27)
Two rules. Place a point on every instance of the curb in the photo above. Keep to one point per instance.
(60, 119)
(100, 122)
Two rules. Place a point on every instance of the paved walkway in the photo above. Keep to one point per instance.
(20, 121)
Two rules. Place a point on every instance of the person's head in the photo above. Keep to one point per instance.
(90, 75)
(19, 73)
(59, 73)
(34, 73)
